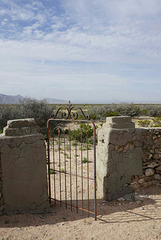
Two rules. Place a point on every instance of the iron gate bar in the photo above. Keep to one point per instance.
(87, 172)
(82, 169)
(72, 116)
(76, 189)
(65, 171)
(54, 170)
(74, 174)
(70, 173)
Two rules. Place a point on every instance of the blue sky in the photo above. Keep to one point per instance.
(95, 50)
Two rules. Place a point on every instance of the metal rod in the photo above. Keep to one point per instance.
(54, 168)
(72, 174)
(95, 180)
(59, 165)
(76, 174)
(82, 169)
(65, 171)
(70, 170)
(87, 173)
(49, 180)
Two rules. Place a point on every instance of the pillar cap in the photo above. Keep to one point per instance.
(19, 127)
(120, 122)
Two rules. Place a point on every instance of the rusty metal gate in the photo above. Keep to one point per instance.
(71, 148)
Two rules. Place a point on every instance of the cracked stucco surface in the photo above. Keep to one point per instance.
(119, 157)
(23, 180)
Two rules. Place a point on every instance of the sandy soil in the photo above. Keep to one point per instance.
(116, 220)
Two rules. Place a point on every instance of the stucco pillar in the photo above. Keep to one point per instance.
(119, 157)
(23, 168)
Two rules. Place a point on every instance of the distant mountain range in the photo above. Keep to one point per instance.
(9, 99)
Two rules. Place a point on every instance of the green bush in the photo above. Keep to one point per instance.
(144, 123)
(84, 160)
(110, 114)
(144, 112)
(152, 110)
(84, 131)
(94, 116)
(156, 122)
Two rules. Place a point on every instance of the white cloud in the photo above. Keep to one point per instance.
(45, 46)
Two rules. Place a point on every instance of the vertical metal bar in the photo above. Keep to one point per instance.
(65, 172)
(70, 170)
(95, 183)
(95, 196)
(82, 170)
(48, 144)
(59, 166)
(76, 175)
(54, 168)
(88, 174)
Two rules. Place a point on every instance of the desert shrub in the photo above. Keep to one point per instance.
(8, 112)
(81, 133)
(28, 108)
(110, 114)
(98, 112)
(127, 109)
(144, 123)
(154, 111)
(156, 122)
(144, 112)
(94, 116)
(124, 109)
(84, 160)
(39, 110)
(66, 131)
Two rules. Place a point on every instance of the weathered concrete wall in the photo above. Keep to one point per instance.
(23, 165)
(1, 185)
(119, 157)
(151, 147)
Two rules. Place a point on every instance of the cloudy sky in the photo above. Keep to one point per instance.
(88, 50)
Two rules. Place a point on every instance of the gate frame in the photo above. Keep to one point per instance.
(73, 116)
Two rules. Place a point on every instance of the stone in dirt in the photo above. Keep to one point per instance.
(121, 199)
(149, 172)
(141, 181)
(157, 176)
(152, 165)
(158, 169)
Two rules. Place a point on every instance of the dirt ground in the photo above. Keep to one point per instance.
(116, 220)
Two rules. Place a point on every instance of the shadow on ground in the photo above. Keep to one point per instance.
(108, 212)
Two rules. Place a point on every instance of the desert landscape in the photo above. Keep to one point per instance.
(137, 216)
(95, 61)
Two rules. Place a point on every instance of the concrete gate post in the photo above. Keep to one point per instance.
(119, 157)
(23, 185)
